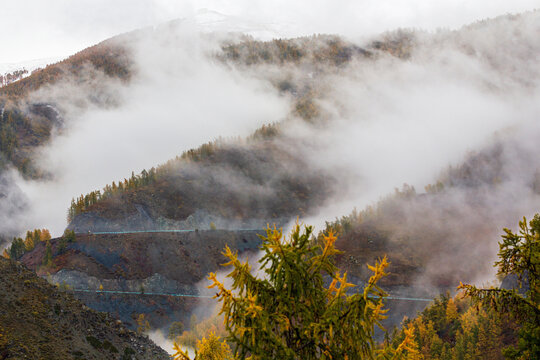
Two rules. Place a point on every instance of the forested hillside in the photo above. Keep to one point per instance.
(303, 70)
(271, 181)
(242, 186)
(109, 57)
(434, 237)
(26, 124)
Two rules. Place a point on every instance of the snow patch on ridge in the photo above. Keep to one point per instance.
(29, 65)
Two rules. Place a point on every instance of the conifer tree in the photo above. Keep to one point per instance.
(451, 310)
(45, 235)
(37, 234)
(176, 329)
(142, 324)
(17, 249)
(519, 255)
(47, 259)
(302, 308)
(29, 242)
(292, 314)
(208, 348)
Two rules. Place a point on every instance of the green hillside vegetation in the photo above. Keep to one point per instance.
(146, 178)
(318, 50)
(313, 57)
(168, 191)
(20, 134)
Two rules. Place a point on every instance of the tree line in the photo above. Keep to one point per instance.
(20, 246)
(83, 202)
(146, 177)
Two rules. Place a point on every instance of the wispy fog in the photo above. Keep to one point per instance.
(390, 121)
(178, 99)
(406, 121)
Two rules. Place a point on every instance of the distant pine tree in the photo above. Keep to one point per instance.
(47, 259)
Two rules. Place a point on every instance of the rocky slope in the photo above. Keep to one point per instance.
(40, 322)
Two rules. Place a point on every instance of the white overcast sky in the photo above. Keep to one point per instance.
(34, 29)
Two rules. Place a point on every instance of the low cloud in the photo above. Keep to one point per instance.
(179, 98)
(404, 121)
(58, 28)
(470, 94)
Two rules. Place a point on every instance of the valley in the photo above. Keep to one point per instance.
(422, 146)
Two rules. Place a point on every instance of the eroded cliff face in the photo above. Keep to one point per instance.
(139, 219)
(141, 269)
